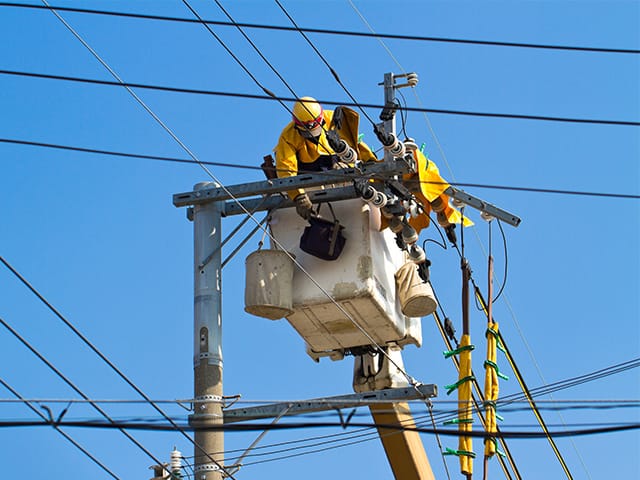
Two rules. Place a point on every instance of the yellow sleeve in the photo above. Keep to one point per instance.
(365, 154)
(286, 158)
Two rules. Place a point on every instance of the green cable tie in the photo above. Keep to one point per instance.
(451, 353)
(458, 453)
(495, 367)
(456, 421)
(422, 145)
(492, 404)
(453, 386)
(491, 331)
(360, 137)
(495, 443)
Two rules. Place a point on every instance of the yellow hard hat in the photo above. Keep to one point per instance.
(308, 115)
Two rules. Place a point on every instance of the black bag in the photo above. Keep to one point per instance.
(323, 238)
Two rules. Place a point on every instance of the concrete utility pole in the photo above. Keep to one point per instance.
(207, 359)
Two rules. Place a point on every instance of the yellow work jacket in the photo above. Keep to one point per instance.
(293, 151)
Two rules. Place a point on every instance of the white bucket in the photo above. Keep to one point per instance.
(416, 297)
(269, 283)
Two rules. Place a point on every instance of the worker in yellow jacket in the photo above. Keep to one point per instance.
(430, 192)
(304, 145)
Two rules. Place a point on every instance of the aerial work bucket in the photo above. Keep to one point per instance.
(416, 297)
(269, 283)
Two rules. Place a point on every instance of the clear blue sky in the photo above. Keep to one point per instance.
(100, 239)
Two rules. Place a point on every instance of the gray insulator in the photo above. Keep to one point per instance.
(409, 234)
(396, 225)
(416, 254)
(369, 193)
(347, 155)
(412, 79)
(397, 149)
(385, 212)
(379, 200)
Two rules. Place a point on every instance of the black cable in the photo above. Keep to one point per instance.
(102, 356)
(506, 261)
(77, 390)
(330, 31)
(60, 431)
(331, 69)
(271, 96)
(250, 167)
(248, 427)
(403, 113)
(239, 62)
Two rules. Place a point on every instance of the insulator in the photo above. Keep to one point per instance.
(457, 203)
(379, 200)
(397, 149)
(412, 79)
(410, 145)
(487, 216)
(348, 155)
(409, 234)
(396, 225)
(368, 193)
(386, 213)
(176, 461)
(413, 210)
(416, 254)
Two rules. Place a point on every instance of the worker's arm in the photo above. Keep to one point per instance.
(287, 161)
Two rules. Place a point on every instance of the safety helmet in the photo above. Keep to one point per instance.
(308, 116)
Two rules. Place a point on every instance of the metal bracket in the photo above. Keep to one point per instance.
(418, 392)
(484, 207)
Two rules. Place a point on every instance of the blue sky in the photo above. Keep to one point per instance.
(98, 236)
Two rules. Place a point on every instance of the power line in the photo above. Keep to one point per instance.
(77, 390)
(69, 438)
(330, 31)
(195, 91)
(102, 356)
(251, 167)
(324, 60)
(234, 427)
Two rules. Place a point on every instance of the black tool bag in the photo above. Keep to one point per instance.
(323, 238)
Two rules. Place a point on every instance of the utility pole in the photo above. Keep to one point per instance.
(207, 359)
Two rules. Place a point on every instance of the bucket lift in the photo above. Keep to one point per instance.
(349, 306)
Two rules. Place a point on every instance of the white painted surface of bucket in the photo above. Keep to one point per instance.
(269, 284)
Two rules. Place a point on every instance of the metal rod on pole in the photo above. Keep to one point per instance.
(207, 339)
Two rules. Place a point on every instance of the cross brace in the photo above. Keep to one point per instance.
(388, 395)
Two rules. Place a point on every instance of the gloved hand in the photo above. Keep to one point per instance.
(335, 142)
(303, 205)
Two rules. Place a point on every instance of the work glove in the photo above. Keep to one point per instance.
(303, 205)
(335, 142)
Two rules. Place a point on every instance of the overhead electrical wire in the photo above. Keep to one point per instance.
(77, 390)
(59, 430)
(324, 60)
(322, 101)
(327, 31)
(255, 167)
(303, 425)
(87, 342)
